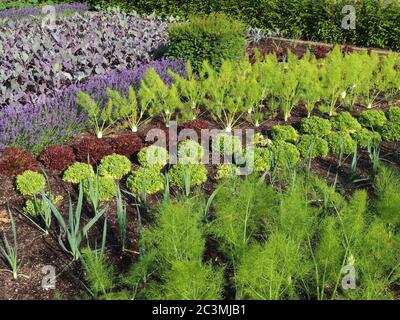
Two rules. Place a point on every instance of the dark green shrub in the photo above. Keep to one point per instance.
(391, 131)
(344, 121)
(212, 38)
(316, 126)
(284, 133)
(312, 146)
(373, 119)
(365, 138)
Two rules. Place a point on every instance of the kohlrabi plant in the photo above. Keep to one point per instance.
(161, 99)
(133, 110)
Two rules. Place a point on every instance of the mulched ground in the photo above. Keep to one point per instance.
(38, 251)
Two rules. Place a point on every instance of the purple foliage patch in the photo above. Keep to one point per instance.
(33, 127)
(24, 12)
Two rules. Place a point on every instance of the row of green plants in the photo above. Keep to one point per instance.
(376, 21)
(296, 238)
(240, 91)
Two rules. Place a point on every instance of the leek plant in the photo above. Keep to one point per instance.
(121, 217)
(74, 235)
(9, 251)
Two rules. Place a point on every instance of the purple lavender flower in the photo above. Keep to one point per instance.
(53, 120)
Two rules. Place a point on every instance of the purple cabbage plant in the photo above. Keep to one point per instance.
(36, 61)
(56, 119)
(36, 11)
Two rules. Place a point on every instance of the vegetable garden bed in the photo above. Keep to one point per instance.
(86, 193)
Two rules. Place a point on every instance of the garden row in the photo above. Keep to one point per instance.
(262, 249)
(376, 21)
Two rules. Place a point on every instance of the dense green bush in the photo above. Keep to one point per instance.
(78, 172)
(34, 210)
(226, 144)
(190, 151)
(149, 179)
(196, 174)
(374, 119)
(262, 159)
(103, 187)
(316, 126)
(394, 114)
(30, 183)
(312, 146)
(212, 38)
(115, 166)
(365, 138)
(153, 156)
(376, 20)
(284, 154)
(284, 133)
(344, 121)
(225, 171)
(391, 131)
(341, 143)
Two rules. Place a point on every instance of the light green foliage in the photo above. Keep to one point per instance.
(191, 280)
(30, 183)
(78, 172)
(103, 186)
(310, 86)
(394, 114)
(225, 171)
(268, 271)
(230, 91)
(145, 178)
(262, 159)
(264, 78)
(287, 85)
(158, 97)
(34, 210)
(190, 151)
(365, 138)
(284, 154)
(215, 37)
(239, 218)
(115, 166)
(387, 186)
(344, 121)
(191, 91)
(260, 141)
(374, 119)
(332, 77)
(129, 108)
(284, 133)
(196, 174)
(101, 119)
(98, 273)
(391, 131)
(341, 143)
(153, 156)
(177, 234)
(311, 146)
(226, 144)
(316, 126)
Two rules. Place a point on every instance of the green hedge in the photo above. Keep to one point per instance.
(377, 23)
